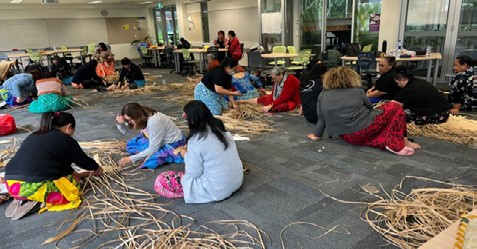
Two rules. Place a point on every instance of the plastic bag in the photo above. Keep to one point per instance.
(7, 125)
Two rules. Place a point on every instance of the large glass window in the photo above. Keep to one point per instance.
(159, 26)
(367, 22)
(166, 25)
(272, 23)
(467, 26)
(205, 21)
(339, 8)
(310, 24)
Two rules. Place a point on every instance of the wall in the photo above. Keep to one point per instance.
(193, 32)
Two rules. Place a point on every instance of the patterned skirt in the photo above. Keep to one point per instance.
(165, 154)
(50, 102)
(214, 101)
(387, 129)
(168, 184)
(58, 195)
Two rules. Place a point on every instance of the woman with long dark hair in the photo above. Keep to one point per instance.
(220, 42)
(311, 85)
(159, 137)
(41, 172)
(213, 169)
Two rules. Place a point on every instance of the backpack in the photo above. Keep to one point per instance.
(7, 125)
(352, 49)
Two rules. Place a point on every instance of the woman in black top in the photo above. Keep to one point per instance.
(310, 88)
(385, 87)
(86, 77)
(424, 103)
(216, 83)
(220, 42)
(41, 172)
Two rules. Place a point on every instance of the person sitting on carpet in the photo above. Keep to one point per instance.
(19, 89)
(130, 77)
(102, 52)
(344, 110)
(241, 81)
(311, 85)
(41, 172)
(216, 83)
(61, 68)
(285, 93)
(52, 95)
(157, 141)
(213, 169)
(86, 78)
(105, 69)
(424, 104)
(385, 87)
(462, 95)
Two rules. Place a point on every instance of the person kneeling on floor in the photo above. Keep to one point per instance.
(40, 173)
(130, 77)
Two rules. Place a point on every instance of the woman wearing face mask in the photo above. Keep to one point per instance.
(216, 84)
(41, 172)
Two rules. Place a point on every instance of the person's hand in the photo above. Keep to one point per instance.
(235, 106)
(454, 111)
(237, 93)
(124, 161)
(369, 91)
(19, 100)
(267, 108)
(120, 119)
(313, 137)
(98, 171)
(183, 151)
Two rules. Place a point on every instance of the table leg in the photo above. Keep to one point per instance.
(276, 60)
(436, 69)
(159, 58)
(428, 76)
(176, 59)
(202, 57)
(343, 63)
(154, 54)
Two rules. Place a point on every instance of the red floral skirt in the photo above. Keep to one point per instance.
(387, 129)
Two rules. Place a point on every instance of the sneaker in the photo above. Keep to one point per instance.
(26, 207)
(3, 104)
(11, 208)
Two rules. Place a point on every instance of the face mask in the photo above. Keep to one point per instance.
(231, 73)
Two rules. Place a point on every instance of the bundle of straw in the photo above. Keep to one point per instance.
(6, 154)
(113, 206)
(457, 129)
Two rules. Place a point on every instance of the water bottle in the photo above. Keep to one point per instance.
(399, 48)
(428, 51)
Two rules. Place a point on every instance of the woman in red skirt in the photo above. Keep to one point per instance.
(344, 110)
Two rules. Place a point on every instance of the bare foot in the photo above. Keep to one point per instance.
(410, 144)
(406, 151)
(313, 137)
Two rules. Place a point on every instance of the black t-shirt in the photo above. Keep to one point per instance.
(47, 157)
(310, 89)
(386, 84)
(422, 98)
(217, 76)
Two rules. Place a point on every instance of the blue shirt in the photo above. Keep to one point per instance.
(20, 85)
(244, 85)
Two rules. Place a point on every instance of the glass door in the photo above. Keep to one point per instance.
(271, 18)
(426, 25)
(367, 23)
(166, 25)
(311, 25)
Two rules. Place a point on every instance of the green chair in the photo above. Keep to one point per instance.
(35, 56)
(299, 59)
(301, 62)
(291, 50)
(68, 56)
(278, 50)
(146, 58)
(83, 55)
(188, 62)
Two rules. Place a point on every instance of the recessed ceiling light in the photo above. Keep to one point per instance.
(147, 2)
(98, 1)
(16, 1)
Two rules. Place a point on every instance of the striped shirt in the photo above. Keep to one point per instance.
(50, 85)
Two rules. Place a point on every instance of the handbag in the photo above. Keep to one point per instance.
(7, 125)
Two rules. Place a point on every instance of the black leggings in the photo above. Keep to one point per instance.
(90, 84)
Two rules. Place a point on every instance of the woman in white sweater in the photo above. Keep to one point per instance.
(213, 169)
(157, 141)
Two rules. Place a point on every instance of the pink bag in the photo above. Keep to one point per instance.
(7, 125)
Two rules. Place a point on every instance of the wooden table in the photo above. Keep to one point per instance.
(434, 57)
(201, 51)
(155, 55)
(278, 55)
(17, 55)
(445, 239)
(49, 53)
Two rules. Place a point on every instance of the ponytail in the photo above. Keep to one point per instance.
(50, 120)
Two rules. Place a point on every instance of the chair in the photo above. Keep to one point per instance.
(83, 55)
(367, 66)
(331, 58)
(188, 63)
(213, 50)
(35, 57)
(278, 50)
(3, 57)
(145, 57)
(68, 56)
(91, 49)
(291, 50)
(242, 47)
(301, 62)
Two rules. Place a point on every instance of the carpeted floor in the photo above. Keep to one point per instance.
(287, 172)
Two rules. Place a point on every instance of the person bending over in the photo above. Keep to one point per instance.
(345, 111)
(213, 169)
(216, 83)
(52, 95)
(385, 87)
(423, 103)
(86, 78)
(19, 89)
(41, 172)
(241, 81)
(130, 77)
(462, 95)
(159, 137)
